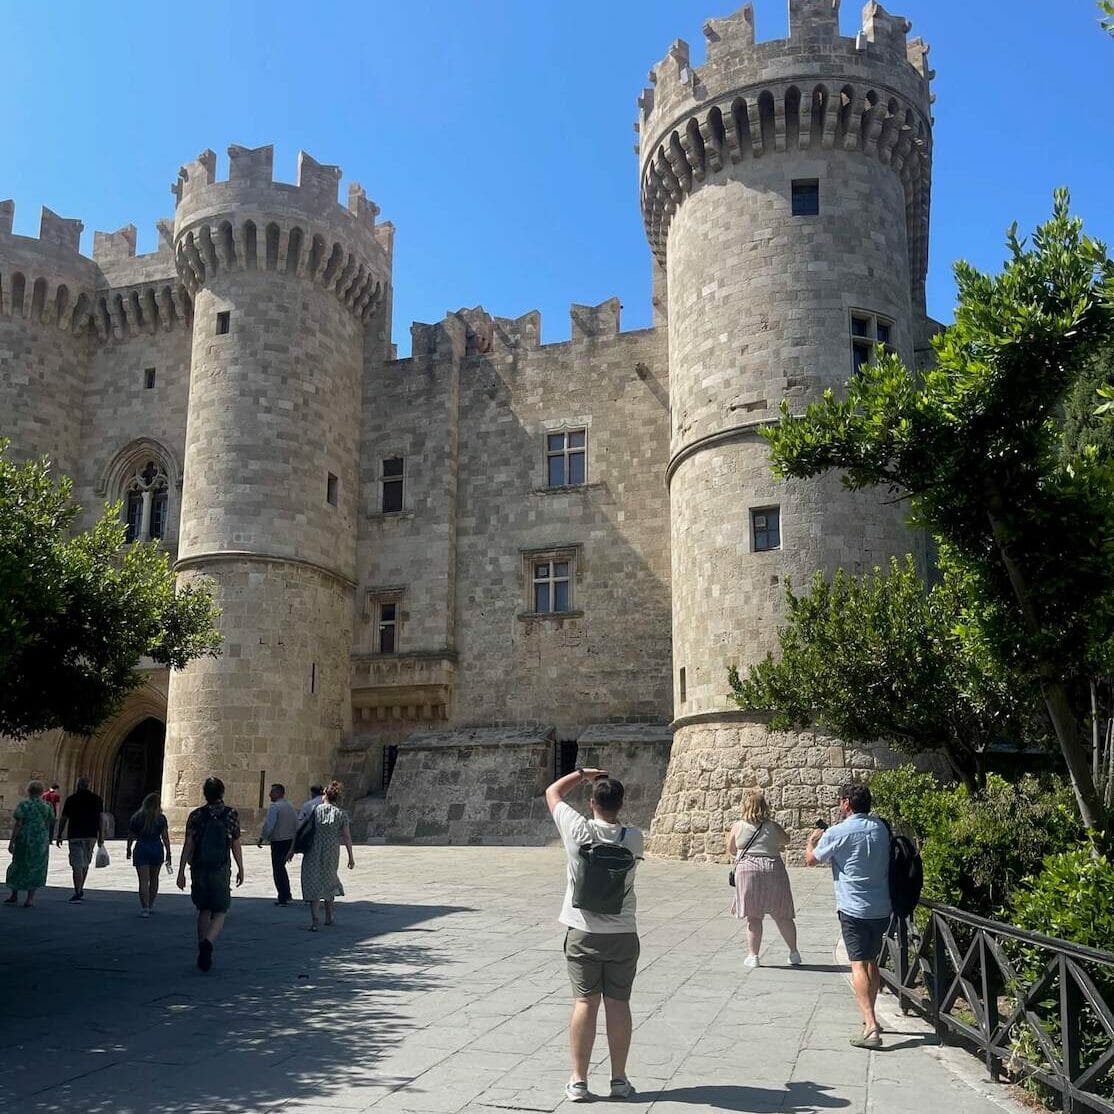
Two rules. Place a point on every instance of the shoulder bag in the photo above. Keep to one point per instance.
(746, 848)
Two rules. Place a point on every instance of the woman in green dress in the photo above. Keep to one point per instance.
(29, 845)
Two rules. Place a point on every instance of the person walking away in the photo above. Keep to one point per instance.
(601, 933)
(82, 825)
(53, 797)
(29, 845)
(858, 849)
(762, 889)
(316, 796)
(212, 834)
(278, 828)
(321, 861)
(147, 829)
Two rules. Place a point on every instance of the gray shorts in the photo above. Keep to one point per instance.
(601, 963)
(81, 853)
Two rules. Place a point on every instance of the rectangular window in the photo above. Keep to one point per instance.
(158, 514)
(388, 626)
(551, 587)
(765, 524)
(681, 685)
(867, 331)
(565, 458)
(135, 516)
(224, 322)
(806, 197)
(331, 489)
(148, 378)
(564, 757)
(392, 484)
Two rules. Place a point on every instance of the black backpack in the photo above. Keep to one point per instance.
(212, 847)
(602, 883)
(906, 874)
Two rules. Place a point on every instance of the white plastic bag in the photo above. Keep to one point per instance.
(101, 858)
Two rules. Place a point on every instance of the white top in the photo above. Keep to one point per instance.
(281, 822)
(576, 831)
(770, 843)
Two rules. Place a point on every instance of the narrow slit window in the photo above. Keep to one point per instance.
(331, 489)
(681, 684)
(806, 197)
(392, 482)
(148, 378)
(388, 627)
(766, 528)
(224, 322)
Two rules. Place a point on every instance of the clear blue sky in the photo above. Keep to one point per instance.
(497, 134)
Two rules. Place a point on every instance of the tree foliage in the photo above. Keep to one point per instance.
(976, 447)
(79, 611)
(882, 658)
(1107, 9)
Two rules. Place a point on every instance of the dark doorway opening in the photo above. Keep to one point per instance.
(137, 771)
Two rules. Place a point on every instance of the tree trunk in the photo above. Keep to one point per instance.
(1054, 691)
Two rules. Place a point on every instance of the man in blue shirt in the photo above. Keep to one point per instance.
(858, 849)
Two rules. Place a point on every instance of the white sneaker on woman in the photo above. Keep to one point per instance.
(751, 961)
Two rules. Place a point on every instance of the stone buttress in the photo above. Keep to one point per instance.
(785, 191)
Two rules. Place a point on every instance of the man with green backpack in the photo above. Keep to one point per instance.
(601, 936)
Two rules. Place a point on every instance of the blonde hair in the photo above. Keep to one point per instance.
(755, 808)
(35, 788)
(148, 814)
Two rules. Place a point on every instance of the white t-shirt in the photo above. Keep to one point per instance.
(575, 832)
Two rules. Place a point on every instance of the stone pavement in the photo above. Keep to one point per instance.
(440, 989)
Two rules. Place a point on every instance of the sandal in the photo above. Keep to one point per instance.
(870, 1040)
(313, 927)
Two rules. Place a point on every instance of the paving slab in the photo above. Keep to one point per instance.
(440, 990)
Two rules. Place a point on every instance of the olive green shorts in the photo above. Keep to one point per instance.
(601, 963)
(211, 890)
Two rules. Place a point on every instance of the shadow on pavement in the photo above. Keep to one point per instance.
(107, 1012)
(803, 1096)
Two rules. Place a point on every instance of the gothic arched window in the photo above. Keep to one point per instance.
(146, 505)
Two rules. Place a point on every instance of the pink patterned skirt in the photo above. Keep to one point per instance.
(762, 889)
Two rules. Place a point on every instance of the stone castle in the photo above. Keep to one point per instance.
(448, 577)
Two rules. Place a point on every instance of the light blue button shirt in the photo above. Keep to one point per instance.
(859, 851)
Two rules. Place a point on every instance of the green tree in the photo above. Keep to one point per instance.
(79, 611)
(883, 658)
(1107, 9)
(975, 446)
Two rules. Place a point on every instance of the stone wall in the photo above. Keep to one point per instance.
(637, 754)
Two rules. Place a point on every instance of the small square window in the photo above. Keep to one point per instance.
(392, 482)
(552, 591)
(765, 525)
(806, 197)
(331, 490)
(565, 458)
(224, 322)
(148, 378)
(867, 331)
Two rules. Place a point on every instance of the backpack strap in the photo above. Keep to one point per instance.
(622, 835)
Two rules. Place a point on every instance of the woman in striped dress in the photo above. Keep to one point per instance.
(762, 888)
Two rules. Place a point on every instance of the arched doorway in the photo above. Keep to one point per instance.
(137, 770)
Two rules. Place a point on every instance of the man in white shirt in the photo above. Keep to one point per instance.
(279, 827)
(316, 796)
(601, 949)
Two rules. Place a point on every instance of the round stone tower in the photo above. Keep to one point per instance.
(45, 340)
(785, 190)
(283, 280)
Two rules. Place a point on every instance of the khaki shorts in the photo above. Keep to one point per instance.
(601, 963)
(81, 853)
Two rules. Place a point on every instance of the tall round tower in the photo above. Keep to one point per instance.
(45, 345)
(785, 191)
(283, 280)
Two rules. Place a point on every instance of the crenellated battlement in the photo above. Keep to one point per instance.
(815, 90)
(252, 222)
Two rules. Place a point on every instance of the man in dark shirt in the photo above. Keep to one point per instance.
(212, 832)
(82, 823)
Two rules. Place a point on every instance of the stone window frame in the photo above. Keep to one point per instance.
(124, 478)
(565, 431)
(573, 554)
(375, 599)
(867, 329)
(765, 510)
(566, 424)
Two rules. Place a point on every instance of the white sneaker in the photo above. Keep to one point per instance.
(144, 913)
(795, 959)
(576, 1090)
(751, 961)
